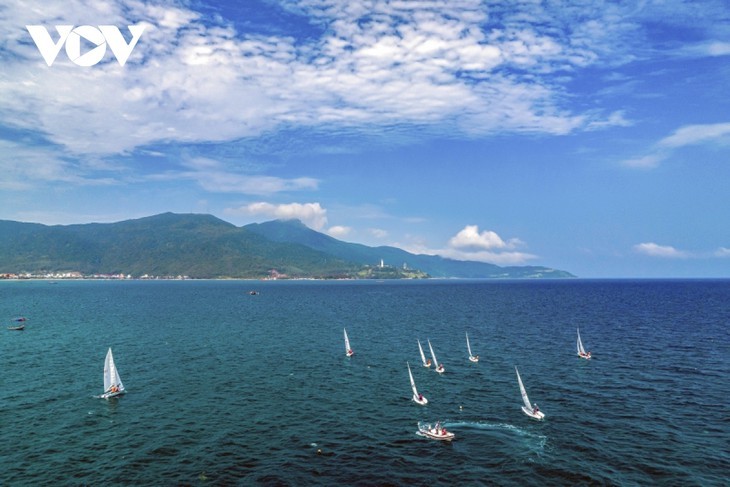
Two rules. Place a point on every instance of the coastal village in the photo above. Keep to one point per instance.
(379, 271)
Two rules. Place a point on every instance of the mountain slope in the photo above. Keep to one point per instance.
(293, 231)
(204, 246)
(167, 244)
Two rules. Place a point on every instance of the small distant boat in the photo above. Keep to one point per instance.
(581, 351)
(348, 350)
(473, 358)
(426, 362)
(112, 382)
(529, 409)
(439, 367)
(417, 398)
(17, 328)
(20, 319)
(435, 432)
(253, 293)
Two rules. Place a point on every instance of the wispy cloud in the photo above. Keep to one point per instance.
(697, 134)
(652, 249)
(722, 252)
(378, 233)
(705, 49)
(312, 214)
(216, 177)
(30, 167)
(468, 67)
(655, 250)
(718, 133)
(339, 231)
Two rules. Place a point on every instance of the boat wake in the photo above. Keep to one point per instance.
(507, 431)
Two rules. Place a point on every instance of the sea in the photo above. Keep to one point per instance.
(225, 387)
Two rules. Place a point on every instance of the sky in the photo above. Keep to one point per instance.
(587, 136)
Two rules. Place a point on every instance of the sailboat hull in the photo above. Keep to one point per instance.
(109, 395)
(423, 401)
(539, 415)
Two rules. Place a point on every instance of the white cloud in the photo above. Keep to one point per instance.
(216, 177)
(655, 250)
(339, 231)
(470, 239)
(312, 214)
(718, 133)
(466, 66)
(697, 134)
(706, 49)
(378, 233)
(650, 161)
(473, 245)
(485, 246)
(30, 166)
(722, 252)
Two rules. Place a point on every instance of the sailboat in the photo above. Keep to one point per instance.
(112, 382)
(581, 351)
(439, 368)
(348, 350)
(426, 362)
(417, 398)
(530, 410)
(473, 358)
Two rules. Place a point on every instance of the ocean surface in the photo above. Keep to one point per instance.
(227, 388)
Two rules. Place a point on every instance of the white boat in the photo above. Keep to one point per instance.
(439, 367)
(417, 398)
(426, 362)
(581, 351)
(435, 432)
(348, 350)
(112, 382)
(473, 358)
(531, 410)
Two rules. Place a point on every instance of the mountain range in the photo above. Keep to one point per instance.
(203, 246)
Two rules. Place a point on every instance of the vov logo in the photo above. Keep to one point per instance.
(101, 37)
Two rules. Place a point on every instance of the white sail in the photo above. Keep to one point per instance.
(439, 368)
(413, 382)
(111, 374)
(435, 362)
(579, 345)
(423, 355)
(348, 350)
(525, 399)
(472, 358)
(528, 409)
(417, 398)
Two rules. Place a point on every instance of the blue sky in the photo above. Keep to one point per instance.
(587, 136)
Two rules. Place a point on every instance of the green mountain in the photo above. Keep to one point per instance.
(203, 246)
(162, 245)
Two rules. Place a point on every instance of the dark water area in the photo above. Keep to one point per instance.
(226, 388)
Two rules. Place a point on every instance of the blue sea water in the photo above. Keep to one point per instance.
(225, 388)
